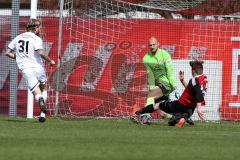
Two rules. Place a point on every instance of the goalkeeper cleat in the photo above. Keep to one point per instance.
(42, 105)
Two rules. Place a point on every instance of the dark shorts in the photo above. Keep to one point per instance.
(174, 107)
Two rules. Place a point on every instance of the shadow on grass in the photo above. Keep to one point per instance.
(18, 120)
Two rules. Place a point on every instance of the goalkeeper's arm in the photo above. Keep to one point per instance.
(170, 72)
(151, 78)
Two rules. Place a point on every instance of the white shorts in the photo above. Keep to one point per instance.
(34, 76)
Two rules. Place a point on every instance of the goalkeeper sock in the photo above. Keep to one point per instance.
(150, 101)
(42, 114)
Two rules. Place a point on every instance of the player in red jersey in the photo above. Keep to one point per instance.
(192, 97)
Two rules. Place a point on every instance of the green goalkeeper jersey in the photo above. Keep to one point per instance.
(160, 70)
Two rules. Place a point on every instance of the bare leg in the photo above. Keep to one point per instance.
(43, 88)
(40, 99)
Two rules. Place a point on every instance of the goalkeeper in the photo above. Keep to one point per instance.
(159, 67)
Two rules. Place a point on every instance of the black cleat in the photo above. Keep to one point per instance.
(190, 121)
(174, 120)
(41, 119)
(42, 105)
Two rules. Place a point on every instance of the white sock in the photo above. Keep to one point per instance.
(44, 95)
(42, 115)
(37, 97)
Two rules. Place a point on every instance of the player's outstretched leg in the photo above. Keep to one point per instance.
(143, 115)
(147, 109)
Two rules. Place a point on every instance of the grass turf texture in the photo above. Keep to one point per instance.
(22, 139)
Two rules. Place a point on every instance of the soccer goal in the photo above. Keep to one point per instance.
(99, 46)
(100, 70)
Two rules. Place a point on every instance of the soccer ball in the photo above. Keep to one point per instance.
(146, 119)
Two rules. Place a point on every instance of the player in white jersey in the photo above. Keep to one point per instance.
(27, 50)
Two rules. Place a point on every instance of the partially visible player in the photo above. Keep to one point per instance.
(159, 67)
(192, 97)
(27, 50)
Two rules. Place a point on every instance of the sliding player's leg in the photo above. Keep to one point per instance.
(153, 107)
(180, 113)
(166, 106)
(154, 96)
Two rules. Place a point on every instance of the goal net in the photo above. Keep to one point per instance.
(103, 42)
(100, 47)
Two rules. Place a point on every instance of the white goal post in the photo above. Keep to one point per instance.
(30, 99)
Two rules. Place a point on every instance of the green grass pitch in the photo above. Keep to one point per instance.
(57, 139)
